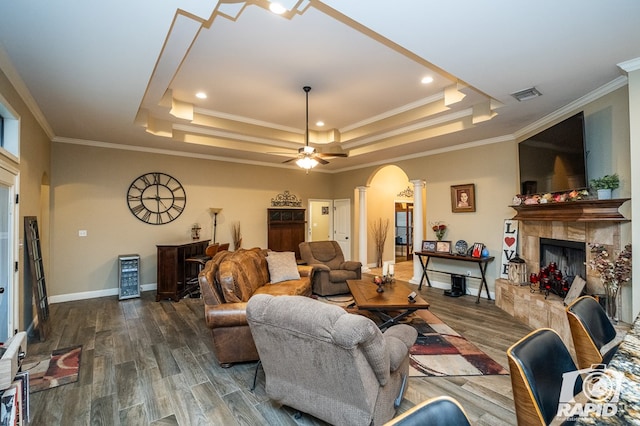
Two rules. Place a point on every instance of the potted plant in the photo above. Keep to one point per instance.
(605, 185)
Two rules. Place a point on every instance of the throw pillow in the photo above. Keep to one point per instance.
(282, 266)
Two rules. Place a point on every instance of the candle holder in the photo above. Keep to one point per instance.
(379, 282)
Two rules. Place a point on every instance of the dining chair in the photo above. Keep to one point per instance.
(537, 363)
(591, 331)
(438, 411)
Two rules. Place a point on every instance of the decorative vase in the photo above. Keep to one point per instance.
(611, 307)
(604, 194)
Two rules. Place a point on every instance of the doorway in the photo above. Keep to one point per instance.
(404, 231)
(8, 234)
(331, 220)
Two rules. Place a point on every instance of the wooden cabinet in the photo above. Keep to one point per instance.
(174, 273)
(286, 229)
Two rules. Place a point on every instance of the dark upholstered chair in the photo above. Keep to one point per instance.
(439, 411)
(536, 364)
(321, 360)
(591, 330)
(330, 270)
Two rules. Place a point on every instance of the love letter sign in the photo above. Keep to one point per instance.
(509, 245)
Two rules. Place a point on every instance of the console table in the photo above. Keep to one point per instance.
(425, 257)
(173, 272)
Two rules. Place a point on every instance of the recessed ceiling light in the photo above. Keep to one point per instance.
(426, 80)
(277, 8)
(201, 95)
(319, 123)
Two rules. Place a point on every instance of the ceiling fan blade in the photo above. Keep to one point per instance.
(332, 154)
(290, 160)
(320, 160)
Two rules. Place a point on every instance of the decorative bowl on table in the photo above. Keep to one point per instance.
(461, 247)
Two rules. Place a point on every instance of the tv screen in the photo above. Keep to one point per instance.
(554, 160)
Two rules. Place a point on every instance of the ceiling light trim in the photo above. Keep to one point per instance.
(393, 112)
(458, 115)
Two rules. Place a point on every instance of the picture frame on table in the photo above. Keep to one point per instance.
(463, 198)
(428, 245)
(443, 246)
(477, 250)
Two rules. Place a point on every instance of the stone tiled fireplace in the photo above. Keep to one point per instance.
(587, 222)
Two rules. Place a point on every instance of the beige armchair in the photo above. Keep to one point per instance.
(321, 360)
(330, 270)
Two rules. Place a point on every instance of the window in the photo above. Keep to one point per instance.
(9, 131)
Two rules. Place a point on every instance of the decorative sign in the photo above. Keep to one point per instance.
(286, 200)
(509, 245)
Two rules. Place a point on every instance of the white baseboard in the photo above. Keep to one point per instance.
(69, 297)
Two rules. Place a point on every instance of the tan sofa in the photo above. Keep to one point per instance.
(226, 284)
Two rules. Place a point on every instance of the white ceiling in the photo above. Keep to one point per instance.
(123, 72)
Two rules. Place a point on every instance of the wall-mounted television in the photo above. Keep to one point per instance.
(554, 160)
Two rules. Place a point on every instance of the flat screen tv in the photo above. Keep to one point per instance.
(554, 160)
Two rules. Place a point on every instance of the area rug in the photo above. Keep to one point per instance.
(441, 351)
(49, 371)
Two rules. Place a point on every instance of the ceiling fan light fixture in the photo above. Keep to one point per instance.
(306, 163)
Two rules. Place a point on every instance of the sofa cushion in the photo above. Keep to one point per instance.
(282, 266)
(241, 273)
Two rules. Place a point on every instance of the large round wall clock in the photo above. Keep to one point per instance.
(156, 198)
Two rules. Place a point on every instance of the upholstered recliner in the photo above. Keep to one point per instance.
(331, 271)
(321, 360)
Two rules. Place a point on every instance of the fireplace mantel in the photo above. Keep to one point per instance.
(573, 211)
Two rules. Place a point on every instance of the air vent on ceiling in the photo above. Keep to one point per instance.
(526, 94)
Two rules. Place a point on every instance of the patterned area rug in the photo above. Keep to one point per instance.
(441, 351)
(49, 371)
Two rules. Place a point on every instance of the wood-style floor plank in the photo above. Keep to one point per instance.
(152, 363)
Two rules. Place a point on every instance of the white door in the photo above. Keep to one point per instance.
(342, 226)
(8, 233)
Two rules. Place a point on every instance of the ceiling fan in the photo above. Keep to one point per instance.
(308, 157)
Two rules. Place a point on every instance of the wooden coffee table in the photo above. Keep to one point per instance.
(394, 300)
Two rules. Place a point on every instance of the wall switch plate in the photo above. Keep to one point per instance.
(82, 233)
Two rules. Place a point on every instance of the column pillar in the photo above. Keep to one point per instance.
(632, 69)
(418, 228)
(362, 227)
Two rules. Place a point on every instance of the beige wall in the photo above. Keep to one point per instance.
(89, 193)
(493, 170)
(34, 169)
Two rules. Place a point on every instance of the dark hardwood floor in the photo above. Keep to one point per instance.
(151, 363)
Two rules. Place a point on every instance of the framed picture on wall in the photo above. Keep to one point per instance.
(463, 198)
(428, 245)
(443, 246)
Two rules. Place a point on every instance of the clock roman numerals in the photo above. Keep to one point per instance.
(156, 198)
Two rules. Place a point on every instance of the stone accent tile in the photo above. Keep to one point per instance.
(576, 231)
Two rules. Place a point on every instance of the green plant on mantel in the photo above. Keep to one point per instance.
(606, 182)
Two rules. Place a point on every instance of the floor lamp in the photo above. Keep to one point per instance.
(215, 211)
